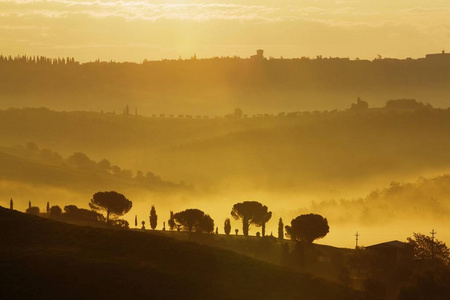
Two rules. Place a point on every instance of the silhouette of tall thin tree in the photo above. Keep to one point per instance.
(280, 229)
(153, 218)
(227, 226)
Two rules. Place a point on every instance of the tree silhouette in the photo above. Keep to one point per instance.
(236, 231)
(143, 225)
(171, 221)
(307, 228)
(55, 210)
(113, 203)
(227, 226)
(153, 218)
(265, 217)
(74, 213)
(427, 248)
(135, 221)
(29, 204)
(34, 210)
(251, 212)
(47, 209)
(194, 220)
(238, 113)
(432, 282)
(280, 229)
(11, 204)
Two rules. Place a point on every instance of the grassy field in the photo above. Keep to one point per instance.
(44, 259)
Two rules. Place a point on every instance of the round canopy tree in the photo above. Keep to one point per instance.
(307, 228)
(194, 220)
(251, 212)
(113, 203)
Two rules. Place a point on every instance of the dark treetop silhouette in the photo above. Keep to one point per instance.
(307, 228)
(251, 212)
(194, 219)
(280, 229)
(153, 218)
(33, 210)
(426, 248)
(171, 221)
(112, 202)
(227, 226)
(265, 217)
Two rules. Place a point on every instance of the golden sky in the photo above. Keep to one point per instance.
(134, 30)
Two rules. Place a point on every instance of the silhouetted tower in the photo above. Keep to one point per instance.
(356, 239)
(48, 207)
(164, 226)
(11, 204)
(259, 55)
(29, 204)
(135, 221)
(433, 232)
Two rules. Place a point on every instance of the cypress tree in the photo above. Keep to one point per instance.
(153, 218)
(280, 229)
(227, 226)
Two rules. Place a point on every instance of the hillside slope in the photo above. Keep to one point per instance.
(40, 258)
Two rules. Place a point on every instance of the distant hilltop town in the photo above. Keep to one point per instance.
(255, 82)
(259, 56)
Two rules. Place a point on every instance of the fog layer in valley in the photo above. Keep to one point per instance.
(359, 168)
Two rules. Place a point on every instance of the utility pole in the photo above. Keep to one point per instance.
(433, 232)
(356, 238)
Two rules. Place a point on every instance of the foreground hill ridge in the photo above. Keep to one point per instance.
(42, 258)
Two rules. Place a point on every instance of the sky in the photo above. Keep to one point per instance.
(135, 30)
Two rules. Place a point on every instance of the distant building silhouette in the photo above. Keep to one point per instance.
(391, 253)
(259, 55)
(359, 105)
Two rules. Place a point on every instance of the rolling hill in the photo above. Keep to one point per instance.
(44, 259)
